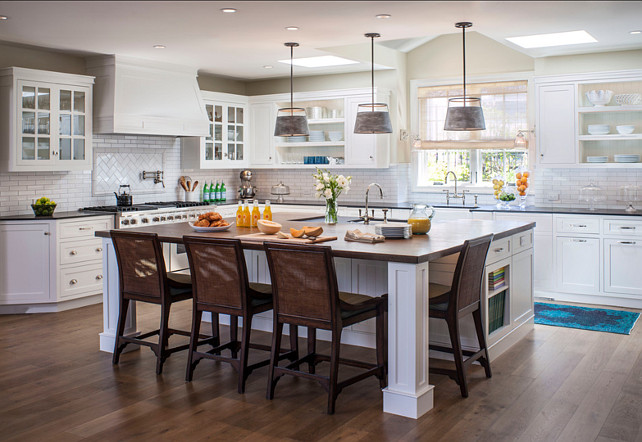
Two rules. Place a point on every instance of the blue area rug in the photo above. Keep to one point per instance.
(597, 319)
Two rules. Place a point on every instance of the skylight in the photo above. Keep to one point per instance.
(318, 62)
(556, 39)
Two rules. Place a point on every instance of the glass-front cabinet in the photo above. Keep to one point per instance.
(49, 120)
(226, 145)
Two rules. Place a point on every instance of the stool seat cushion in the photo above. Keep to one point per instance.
(353, 304)
(262, 294)
(179, 283)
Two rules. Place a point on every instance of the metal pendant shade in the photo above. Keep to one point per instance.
(464, 113)
(372, 118)
(291, 121)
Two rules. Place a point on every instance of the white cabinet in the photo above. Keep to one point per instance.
(366, 150)
(262, 120)
(226, 145)
(24, 262)
(623, 266)
(555, 124)
(521, 305)
(46, 120)
(578, 265)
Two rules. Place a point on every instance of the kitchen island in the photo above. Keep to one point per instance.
(403, 269)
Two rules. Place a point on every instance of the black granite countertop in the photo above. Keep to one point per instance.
(56, 215)
(559, 210)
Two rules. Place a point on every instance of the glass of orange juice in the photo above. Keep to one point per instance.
(420, 220)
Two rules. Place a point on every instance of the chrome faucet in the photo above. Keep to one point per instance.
(456, 195)
(366, 218)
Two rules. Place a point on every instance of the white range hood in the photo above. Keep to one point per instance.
(132, 96)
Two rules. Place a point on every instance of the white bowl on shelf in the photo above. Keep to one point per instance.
(625, 129)
(628, 99)
(600, 97)
(335, 135)
(599, 129)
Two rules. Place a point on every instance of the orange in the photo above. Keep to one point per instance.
(518, 175)
(524, 180)
(526, 174)
(525, 184)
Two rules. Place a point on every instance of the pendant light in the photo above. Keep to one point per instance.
(372, 118)
(464, 113)
(291, 121)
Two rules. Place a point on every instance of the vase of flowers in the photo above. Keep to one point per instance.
(330, 186)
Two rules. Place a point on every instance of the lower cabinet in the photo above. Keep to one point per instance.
(522, 297)
(623, 266)
(578, 265)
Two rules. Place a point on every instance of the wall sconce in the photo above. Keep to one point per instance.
(521, 139)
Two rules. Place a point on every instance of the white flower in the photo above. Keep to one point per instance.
(342, 181)
(326, 177)
(346, 189)
(320, 186)
(327, 193)
(318, 194)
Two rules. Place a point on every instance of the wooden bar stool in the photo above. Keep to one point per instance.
(143, 278)
(221, 286)
(462, 298)
(306, 294)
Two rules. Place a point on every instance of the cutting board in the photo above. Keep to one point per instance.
(260, 237)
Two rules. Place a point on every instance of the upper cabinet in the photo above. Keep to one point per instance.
(331, 143)
(226, 145)
(573, 131)
(45, 121)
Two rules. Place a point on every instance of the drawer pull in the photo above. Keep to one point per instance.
(99, 277)
(579, 240)
(73, 281)
(99, 249)
(73, 253)
(84, 228)
(47, 233)
(628, 242)
(627, 228)
(578, 225)
(500, 249)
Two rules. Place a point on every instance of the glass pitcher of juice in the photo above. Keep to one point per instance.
(420, 220)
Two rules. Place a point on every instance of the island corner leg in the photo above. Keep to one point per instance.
(111, 305)
(408, 393)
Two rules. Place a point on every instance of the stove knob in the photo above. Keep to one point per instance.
(144, 220)
(125, 222)
(155, 219)
(170, 217)
(163, 218)
(134, 221)
(184, 216)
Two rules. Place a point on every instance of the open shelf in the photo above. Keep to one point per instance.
(329, 120)
(610, 137)
(495, 292)
(624, 108)
(312, 144)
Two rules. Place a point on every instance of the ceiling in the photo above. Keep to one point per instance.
(238, 45)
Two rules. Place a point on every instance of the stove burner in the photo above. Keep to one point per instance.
(178, 204)
(117, 209)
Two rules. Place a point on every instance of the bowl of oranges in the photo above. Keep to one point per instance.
(521, 182)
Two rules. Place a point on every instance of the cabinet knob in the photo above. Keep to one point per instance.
(500, 249)
(627, 228)
(47, 233)
(371, 157)
(99, 249)
(73, 281)
(99, 277)
(73, 253)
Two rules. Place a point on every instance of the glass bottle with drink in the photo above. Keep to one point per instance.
(223, 192)
(206, 193)
(239, 215)
(267, 212)
(256, 214)
(247, 217)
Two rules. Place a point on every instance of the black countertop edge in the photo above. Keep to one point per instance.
(55, 216)
(559, 210)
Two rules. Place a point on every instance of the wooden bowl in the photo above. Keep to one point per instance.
(268, 227)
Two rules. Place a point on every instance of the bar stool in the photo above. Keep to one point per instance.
(220, 282)
(306, 294)
(462, 298)
(143, 277)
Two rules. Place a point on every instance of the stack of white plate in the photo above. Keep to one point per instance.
(597, 159)
(317, 136)
(335, 135)
(626, 158)
(599, 129)
(394, 230)
(299, 139)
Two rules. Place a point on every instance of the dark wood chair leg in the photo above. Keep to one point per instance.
(484, 361)
(453, 329)
(381, 349)
(274, 358)
(294, 343)
(122, 316)
(193, 341)
(333, 390)
(234, 335)
(163, 338)
(216, 334)
(245, 349)
(312, 348)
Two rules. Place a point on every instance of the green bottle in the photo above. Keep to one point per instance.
(212, 194)
(206, 193)
(217, 192)
(223, 192)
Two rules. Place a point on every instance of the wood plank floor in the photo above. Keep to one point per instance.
(557, 384)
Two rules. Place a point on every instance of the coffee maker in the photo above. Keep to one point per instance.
(247, 190)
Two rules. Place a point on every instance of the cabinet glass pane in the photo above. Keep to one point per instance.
(43, 123)
(28, 97)
(230, 151)
(239, 133)
(218, 151)
(28, 122)
(65, 148)
(65, 125)
(209, 137)
(79, 149)
(218, 133)
(43, 148)
(28, 148)
(209, 151)
(79, 101)
(210, 112)
(239, 115)
(79, 125)
(230, 134)
(65, 100)
(230, 114)
(218, 114)
(239, 152)
(44, 96)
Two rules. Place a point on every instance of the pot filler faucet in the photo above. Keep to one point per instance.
(456, 195)
(366, 218)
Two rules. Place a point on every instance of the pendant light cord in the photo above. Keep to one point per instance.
(291, 80)
(372, 69)
(463, 39)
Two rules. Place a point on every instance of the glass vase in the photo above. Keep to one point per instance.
(331, 213)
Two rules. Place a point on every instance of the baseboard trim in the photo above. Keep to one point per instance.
(50, 307)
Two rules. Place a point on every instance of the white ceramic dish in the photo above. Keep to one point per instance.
(600, 97)
(335, 135)
(626, 158)
(599, 129)
(625, 130)
(209, 229)
(628, 99)
(597, 159)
